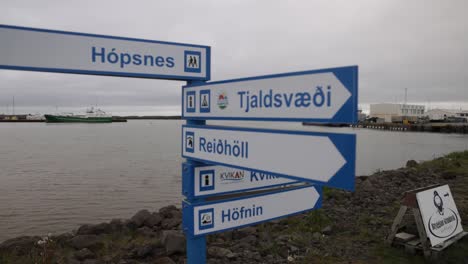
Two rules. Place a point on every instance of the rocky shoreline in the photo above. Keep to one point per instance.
(350, 228)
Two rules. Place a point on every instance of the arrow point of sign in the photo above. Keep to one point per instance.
(348, 77)
(344, 178)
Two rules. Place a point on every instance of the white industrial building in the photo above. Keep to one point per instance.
(392, 112)
(443, 114)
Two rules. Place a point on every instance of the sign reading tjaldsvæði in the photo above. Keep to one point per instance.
(326, 95)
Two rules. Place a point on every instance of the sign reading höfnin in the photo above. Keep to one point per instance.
(34, 49)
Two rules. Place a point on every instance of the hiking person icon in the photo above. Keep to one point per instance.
(190, 64)
(195, 64)
(190, 142)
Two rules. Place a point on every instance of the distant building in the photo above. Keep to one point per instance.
(361, 116)
(444, 114)
(396, 112)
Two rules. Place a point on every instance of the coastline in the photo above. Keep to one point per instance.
(350, 228)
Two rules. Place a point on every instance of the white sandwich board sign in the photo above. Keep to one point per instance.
(439, 214)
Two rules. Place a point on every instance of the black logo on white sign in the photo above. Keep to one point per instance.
(444, 221)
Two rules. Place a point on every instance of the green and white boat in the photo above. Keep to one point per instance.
(91, 116)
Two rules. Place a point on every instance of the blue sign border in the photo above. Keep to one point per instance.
(111, 73)
(347, 75)
(188, 210)
(345, 144)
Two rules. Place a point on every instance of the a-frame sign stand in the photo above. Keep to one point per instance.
(412, 242)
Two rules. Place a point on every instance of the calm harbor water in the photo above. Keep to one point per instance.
(54, 177)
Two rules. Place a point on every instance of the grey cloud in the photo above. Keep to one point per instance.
(419, 45)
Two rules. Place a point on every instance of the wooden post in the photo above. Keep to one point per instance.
(422, 232)
(396, 224)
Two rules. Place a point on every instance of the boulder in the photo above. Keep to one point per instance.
(86, 241)
(174, 241)
(139, 218)
(166, 211)
(116, 225)
(170, 223)
(219, 252)
(411, 163)
(327, 230)
(448, 175)
(20, 245)
(146, 231)
(164, 260)
(102, 228)
(84, 254)
(142, 251)
(153, 220)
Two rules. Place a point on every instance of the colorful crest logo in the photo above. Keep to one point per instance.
(222, 100)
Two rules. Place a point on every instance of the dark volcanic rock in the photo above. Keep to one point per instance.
(170, 223)
(140, 218)
(449, 175)
(19, 245)
(153, 220)
(164, 260)
(411, 163)
(219, 252)
(142, 251)
(116, 225)
(174, 241)
(86, 241)
(102, 228)
(327, 230)
(84, 254)
(166, 212)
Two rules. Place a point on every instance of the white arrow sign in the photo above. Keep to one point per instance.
(33, 49)
(306, 156)
(328, 95)
(211, 217)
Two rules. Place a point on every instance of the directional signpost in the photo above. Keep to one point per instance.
(322, 158)
(206, 181)
(33, 49)
(221, 160)
(212, 217)
(326, 96)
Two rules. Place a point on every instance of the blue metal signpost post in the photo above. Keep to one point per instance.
(196, 246)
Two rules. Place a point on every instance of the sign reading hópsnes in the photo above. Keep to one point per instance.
(439, 214)
(328, 95)
(211, 217)
(216, 180)
(321, 158)
(34, 49)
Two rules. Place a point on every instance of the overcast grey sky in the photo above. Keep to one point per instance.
(419, 45)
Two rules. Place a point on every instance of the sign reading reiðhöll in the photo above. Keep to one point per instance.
(319, 158)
